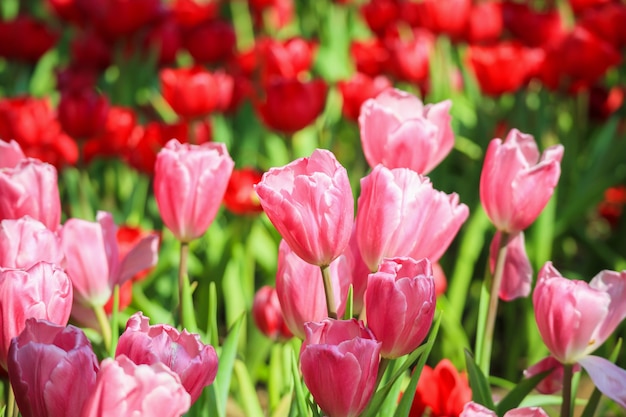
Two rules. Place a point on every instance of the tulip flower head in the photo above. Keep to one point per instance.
(339, 361)
(26, 241)
(189, 185)
(10, 154)
(268, 315)
(310, 203)
(473, 409)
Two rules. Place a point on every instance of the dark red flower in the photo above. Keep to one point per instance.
(607, 22)
(290, 105)
(82, 112)
(240, 197)
(116, 139)
(443, 390)
(289, 58)
(504, 67)
(91, 50)
(25, 38)
(210, 42)
(268, 315)
(271, 15)
(380, 14)
(190, 13)
(485, 23)
(370, 57)
(191, 92)
(67, 10)
(437, 18)
(164, 38)
(547, 27)
(612, 206)
(358, 89)
(604, 102)
(410, 58)
(580, 6)
(116, 19)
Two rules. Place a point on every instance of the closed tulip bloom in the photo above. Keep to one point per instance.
(401, 214)
(46, 363)
(42, 291)
(93, 262)
(518, 272)
(575, 317)
(189, 185)
(339, 361)
(183, 352)
(30, 188)
(516, 181)
(399, 131)
(310, 203)
(191, 92)
(268, 314)
(10, 154)
(473, 409)
(300, 289)
(126, 389)
(400, 304)
(26, 241)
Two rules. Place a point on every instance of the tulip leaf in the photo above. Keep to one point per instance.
(227, 356)
(519, 392)
(212, 335)
(249, 399)
(594, 399)
(347, 315)
(300, 398)
(409, 393)
(481, 393)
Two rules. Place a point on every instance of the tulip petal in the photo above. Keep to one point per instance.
(518, 273)
(142, 256)
(609, 378)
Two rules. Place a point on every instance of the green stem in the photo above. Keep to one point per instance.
(484, 354)
(328, 290)
(115, 316)
(568, 372)
(105, 326)
(12, 410)
(185, 301)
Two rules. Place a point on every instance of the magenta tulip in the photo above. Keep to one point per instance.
(124, 389)
(339, 361)
(400, 304)
(300, 289)
(10, 154)
(26, 241)
(92, 259)
(42, 291)
(399, 131)
(401, 214)
(30, 189)
(473, 409)
(52, 369)
(516, 182)
(183, 352)
(575, 317)
(189, 185)
(310, 203)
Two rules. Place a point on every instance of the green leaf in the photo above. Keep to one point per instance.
(300, 397)
(227, 356)
(514, 398)
(347, 315)
(481, 393)
(249, 399)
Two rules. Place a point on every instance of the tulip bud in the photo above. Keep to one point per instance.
(189, 185)
(52, 369)
(267, 314)
(339, 361)
(191, 92)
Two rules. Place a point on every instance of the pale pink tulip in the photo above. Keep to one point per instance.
(189, 185)
(10, 154)
(183, 352)
(473, 409)
(52, 369)
(399, 131)
(300, 288)
(339, 361)
(124, 389)
(401, 214)
(516, 181)
(400, 304)
(517, 275)
(310, 203)
(92, 260)
(575, 317)
(30, 188)
(42, 291)
(26, 241)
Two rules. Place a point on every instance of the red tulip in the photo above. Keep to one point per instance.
(116, 137)
(485, 23)
(410, 57)
(82, 113)
(290, 105)
(46, 363)
(380, 14)
(357, 90)
(547, 26)
(190, 13)
(25, 39)
(437, 18)
(268, 316)
(289, 58)
(191, 92)
(370, 57)
(607, 23)
(183, 352)
(210, 42)
(240, 197)
(118, 18)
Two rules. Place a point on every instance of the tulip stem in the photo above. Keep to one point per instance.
(185, 298)
(12, 410)
(328, 290)
(484, 344)
(568, 372)
(382, 367)
(105, 326)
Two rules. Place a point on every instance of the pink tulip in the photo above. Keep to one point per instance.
(517, 275)
(10, 154)
(399, 131)
(52, 369)
(552, 382)
(300, 289)
(473, 409)
(400, 304)
(310, 203)
(575, 317)
(268, 314)
(516, 182)
(43, 291)
(92, 260)
(124, 389)
(339, 361)
(189, 185)
(26, 241)
(401, 214)
(183, 352)
(359, 274)
(30, 188)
